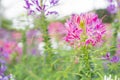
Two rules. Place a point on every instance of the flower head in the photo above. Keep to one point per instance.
(54, 2)
(3, 68)
(118, 3)
(107, 56)
(38, 6)
(56, 30)
(84, 29)
(111, 9)
(115, 59)
(1, 49)
(113, 6)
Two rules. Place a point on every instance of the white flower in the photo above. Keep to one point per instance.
(110, 78)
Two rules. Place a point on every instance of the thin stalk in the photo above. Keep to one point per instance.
(24, 49)
(86, 71)
(48, 54)
(87, 63)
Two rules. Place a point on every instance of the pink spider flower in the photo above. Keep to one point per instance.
(84, 29)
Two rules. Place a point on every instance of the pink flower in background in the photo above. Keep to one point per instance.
(56, 30)
(84, 28)
(1, 43)
(32, 35)
(8, 48)
(18, 49)
(16, 35)
(40, 39)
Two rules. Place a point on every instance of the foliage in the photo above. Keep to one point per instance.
(7, 24)
(108, 18)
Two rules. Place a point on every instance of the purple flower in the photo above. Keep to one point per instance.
(34, 51)
(52, 12)
(2, 61)
(107, 56)
(6, 55)
(28, 4)
(35, 6)
(111, 9)
(32, 33)
(110, 0)
(3, 68)
(54, 2)
(31, 12)
(119, 4)
(4, 77)
(115, 59)
(1, 49)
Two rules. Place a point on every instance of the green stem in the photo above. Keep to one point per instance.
(114, 45)
(87, 63)
(24, 50)
(86, 69)
(43, 24)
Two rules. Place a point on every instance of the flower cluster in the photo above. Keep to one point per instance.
(40, 6)
(9, 47)
(112, 7)
(109, 77)
(84, 29)
(3, 68)
(114, 59)
(56, 30)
